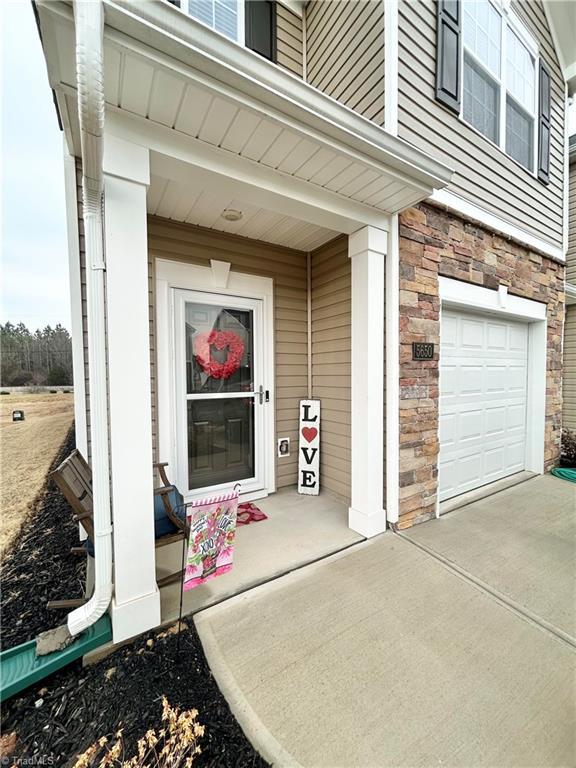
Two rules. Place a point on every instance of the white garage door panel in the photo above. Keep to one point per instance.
(483, 380)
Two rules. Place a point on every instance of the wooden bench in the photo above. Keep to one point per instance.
(74, 478)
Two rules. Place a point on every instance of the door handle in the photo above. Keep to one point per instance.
(261, 394)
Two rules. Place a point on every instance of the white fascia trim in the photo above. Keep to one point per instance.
(78, 361)
(459, 205)
(466, 295)
(391, 66)
(172, 37)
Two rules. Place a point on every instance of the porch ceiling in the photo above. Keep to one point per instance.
(203, 205)
(349, 160)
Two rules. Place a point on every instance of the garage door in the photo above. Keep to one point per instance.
(483, 383)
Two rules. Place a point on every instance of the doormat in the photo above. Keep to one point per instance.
(249, 513)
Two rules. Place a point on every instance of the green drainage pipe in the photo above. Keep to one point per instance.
(20, 667)
(565, 474)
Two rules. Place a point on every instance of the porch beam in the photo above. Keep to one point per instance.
(136, 602)
(367, 250)
(189, 161)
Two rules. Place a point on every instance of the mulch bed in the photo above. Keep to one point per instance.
(39, 566)
(65, 713)
(125, 691)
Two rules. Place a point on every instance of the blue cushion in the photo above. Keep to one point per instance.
(162, 523)
(163, 526)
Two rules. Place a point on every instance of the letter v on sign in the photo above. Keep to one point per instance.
(309, 448)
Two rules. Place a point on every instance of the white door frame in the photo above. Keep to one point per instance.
(217, 279)
(458, 295)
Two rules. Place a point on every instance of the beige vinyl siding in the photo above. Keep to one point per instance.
(331, 360)
(83, 291)
(194, 245)
(569, 390)
(345, 53)
(289, 40)
(484, 174)
(571, 253)
(152, 335)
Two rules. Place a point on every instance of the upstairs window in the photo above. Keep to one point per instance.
(248, 22)
(499, 81)
(489, 73)
(225, 16)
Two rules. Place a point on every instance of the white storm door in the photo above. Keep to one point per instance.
(219, 392)
(483, 398)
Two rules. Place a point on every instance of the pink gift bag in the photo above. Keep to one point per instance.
(211, 545)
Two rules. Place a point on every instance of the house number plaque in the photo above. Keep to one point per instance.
(422, 350)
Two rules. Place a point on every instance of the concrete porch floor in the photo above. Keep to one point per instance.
(387, 655)
(298, 531)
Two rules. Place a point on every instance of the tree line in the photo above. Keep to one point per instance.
(40, 358)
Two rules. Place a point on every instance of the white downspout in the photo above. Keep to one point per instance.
(89, 22)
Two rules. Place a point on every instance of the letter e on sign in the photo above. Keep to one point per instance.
(309, 448)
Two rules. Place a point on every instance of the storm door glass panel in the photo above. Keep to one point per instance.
(219, 344)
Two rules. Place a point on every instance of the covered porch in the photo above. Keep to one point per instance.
(299, 530)
(188, 137)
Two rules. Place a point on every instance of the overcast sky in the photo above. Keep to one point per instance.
(34, 244)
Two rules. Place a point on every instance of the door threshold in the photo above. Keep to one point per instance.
(457, 502)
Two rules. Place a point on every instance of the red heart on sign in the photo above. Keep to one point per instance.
(309, 433)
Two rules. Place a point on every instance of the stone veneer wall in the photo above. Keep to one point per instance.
(432, 243)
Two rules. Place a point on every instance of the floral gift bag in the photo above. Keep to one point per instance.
(211, 545)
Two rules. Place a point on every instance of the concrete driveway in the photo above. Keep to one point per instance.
(395, 655)
(520, 543)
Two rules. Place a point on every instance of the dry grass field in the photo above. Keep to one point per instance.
(27, 449)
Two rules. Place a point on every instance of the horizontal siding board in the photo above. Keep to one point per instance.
(331, 369)
(345, 53)
(571, 253)
(486, 173)
(569, 390)
(483, 171)
(182, 242)
(289, 40)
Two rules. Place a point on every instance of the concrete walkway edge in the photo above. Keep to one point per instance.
(256, 732)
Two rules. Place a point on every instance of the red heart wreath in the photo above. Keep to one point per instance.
(220, 340)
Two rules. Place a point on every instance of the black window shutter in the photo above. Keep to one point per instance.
(544, 125)
(260, 23)
(448, 42)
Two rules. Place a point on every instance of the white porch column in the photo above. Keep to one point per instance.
(367, 250)
(136, 602)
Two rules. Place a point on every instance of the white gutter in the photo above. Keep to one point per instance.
(89, 18)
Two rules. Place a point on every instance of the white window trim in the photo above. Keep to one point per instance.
(241, 16)
(507, 19)
(169, 275)
(455, 294)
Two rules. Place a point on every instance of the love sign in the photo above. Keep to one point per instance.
(309, 448)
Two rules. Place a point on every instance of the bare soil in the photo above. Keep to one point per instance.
(38, 566)
(27, 449)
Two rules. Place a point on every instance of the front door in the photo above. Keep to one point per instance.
(220, 392)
